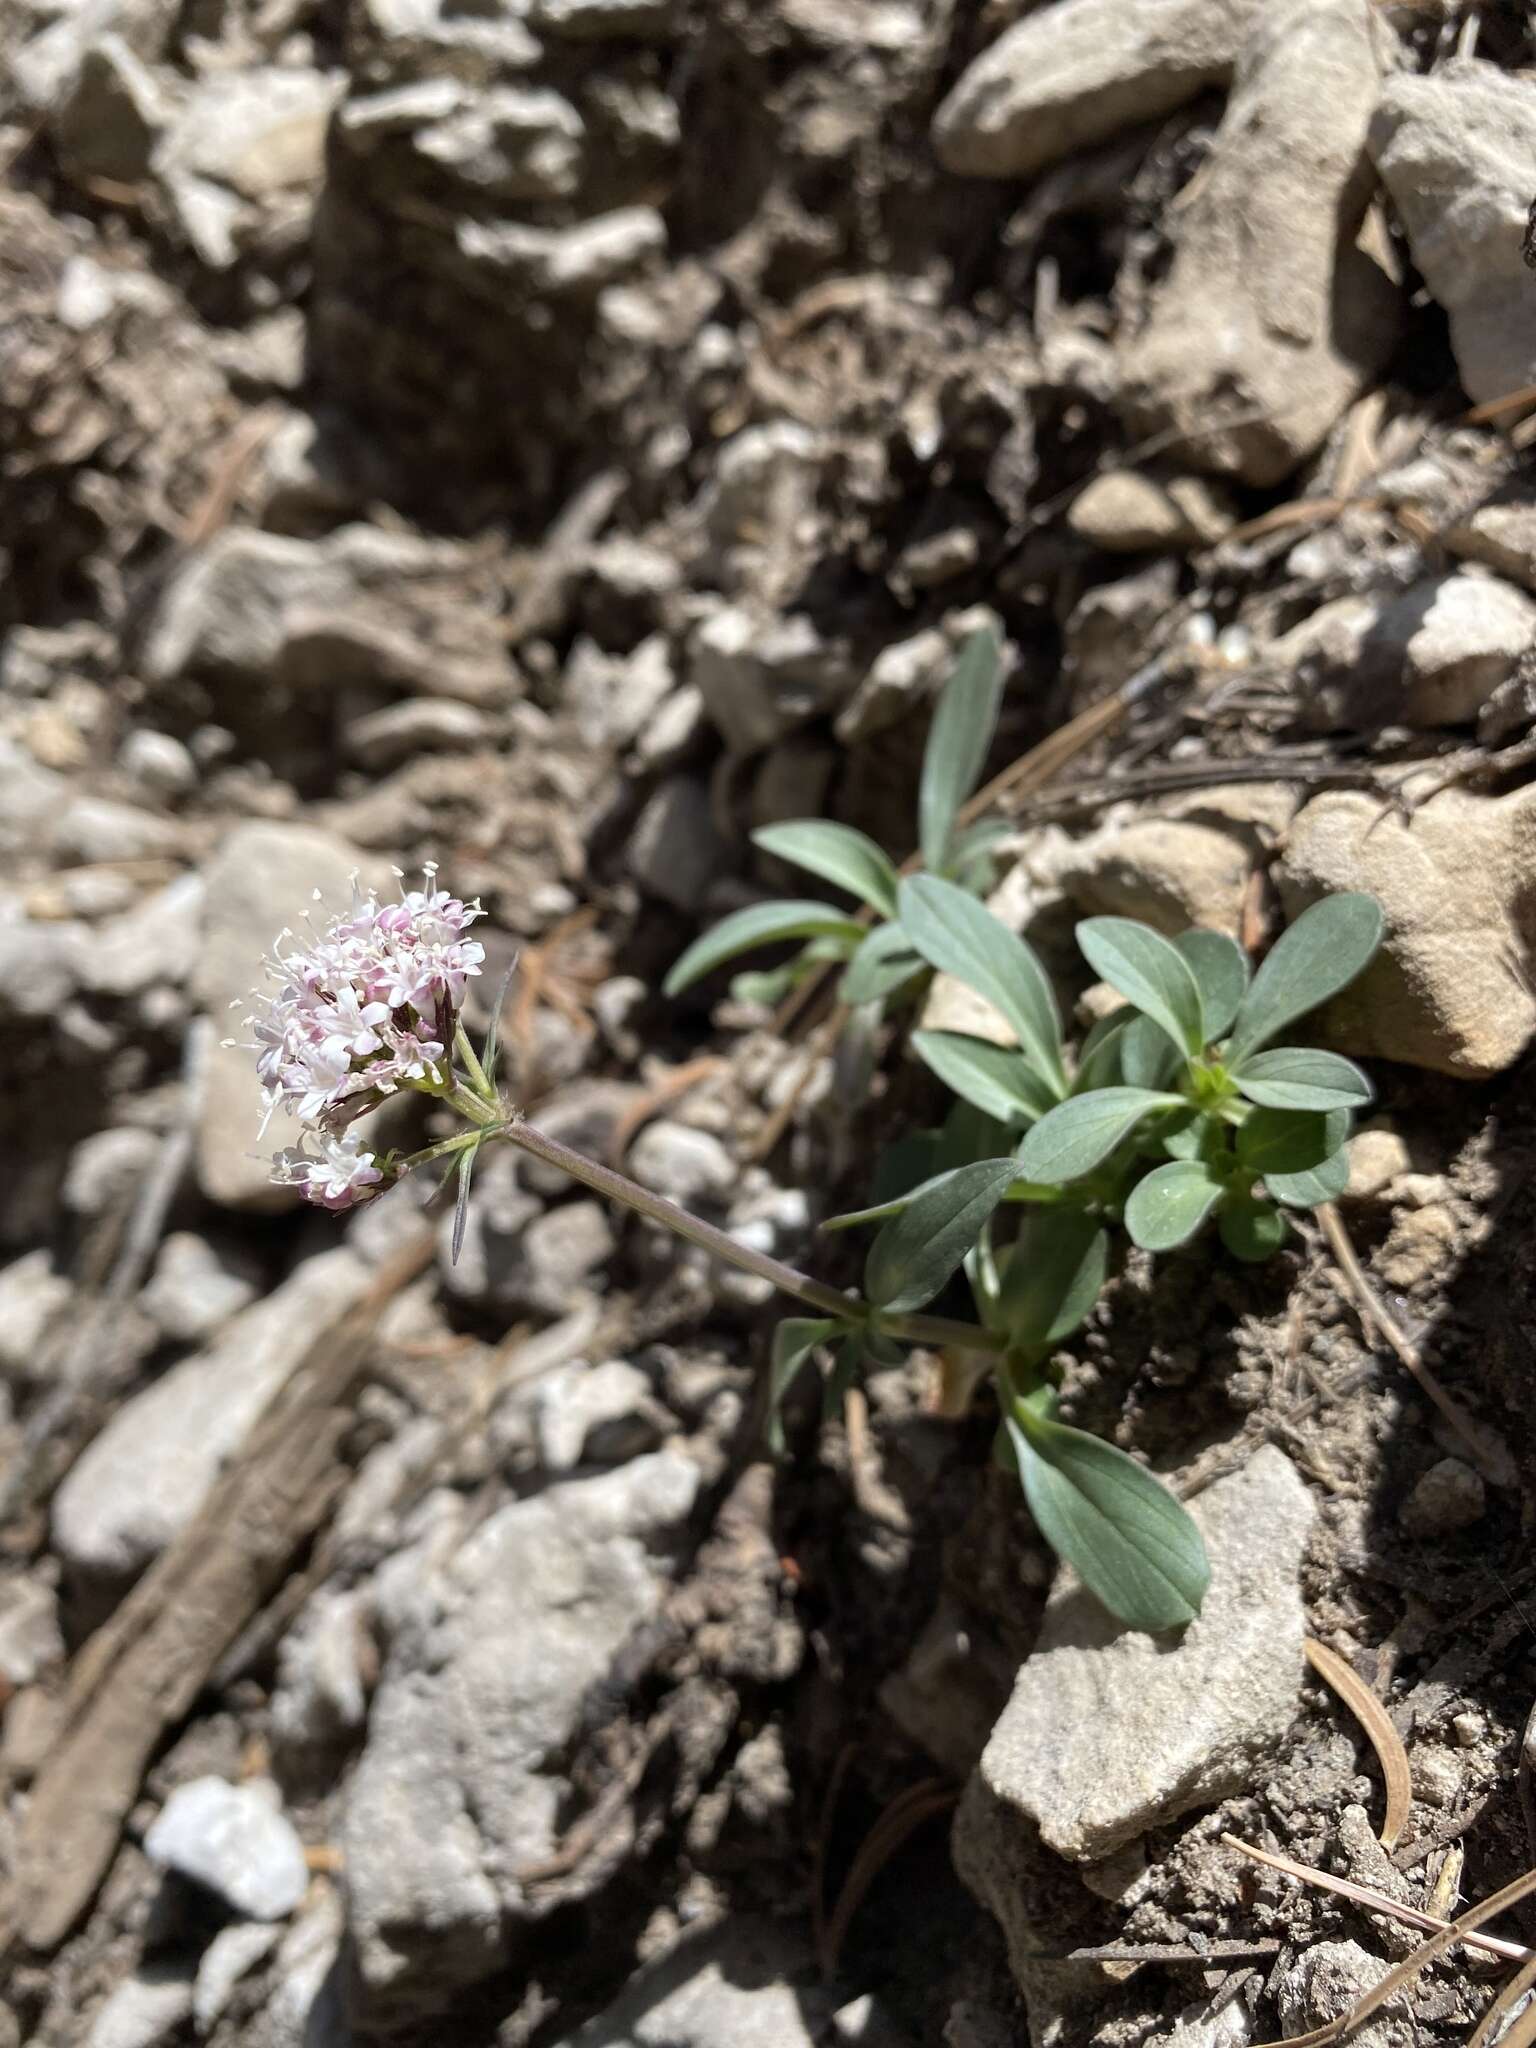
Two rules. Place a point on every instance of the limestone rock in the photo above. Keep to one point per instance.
(1142, 1729)
(145, 1476)
(1457, 153)
(1272, 318)
(1502, 533)
(491, 1660)
(1457, 882)
(1076, 74)
(1124, 511)
(743, 1984)
(235, 1840)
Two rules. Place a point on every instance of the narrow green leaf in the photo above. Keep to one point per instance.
(1251, 1230)
(793, 1342)
(1296, 1077)
(996, 1078)
(1147, 1058)
(881, 965)
(1322, 952)
(1149, 971)
(835, 853)
(1324, 1183)
(1168, 1205)
(1221, 968)
(1079, 1134)
(1133, 1545)
(917, 1251)
(1054, 1277)
(761, 924)
(461, 1202)
(958, 740)
(1290, 1140)
(960, 936)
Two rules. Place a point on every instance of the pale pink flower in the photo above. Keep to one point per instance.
(341, 1178)
(367, 1006)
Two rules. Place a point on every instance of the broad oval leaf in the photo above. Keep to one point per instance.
(958, 740)
(1054, 1277)
(1221, 968)
(793, 1342)
(1132, 1544)
(1168, 1205)
(1324, 1183)
(760, 924)
(960, 936)
(837, 854)
(917, 1251)
(883, 963)
(1290, 1140)
(1322, 952)
(1079, 1134)
(996, 1078)
(1149, 971)
(1251, 1230)
(1296, 1077)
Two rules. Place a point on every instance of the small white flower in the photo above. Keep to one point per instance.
(345, 1176)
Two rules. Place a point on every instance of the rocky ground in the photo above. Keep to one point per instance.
(552, 438)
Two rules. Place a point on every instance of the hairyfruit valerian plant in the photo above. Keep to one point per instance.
(1175, 1110)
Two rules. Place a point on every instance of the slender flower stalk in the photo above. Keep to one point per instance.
(372, 1006)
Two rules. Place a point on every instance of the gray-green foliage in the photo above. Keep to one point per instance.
(881, 961)
(1179, 1111)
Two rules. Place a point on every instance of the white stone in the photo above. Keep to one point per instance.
(576, 1402)
(195, 1289)
(235, 1840)
(104, 1167)
(686, 1165)
(146, 2010)
(155, 942)
(32, 1296)
(1457, 152)
(158, 761)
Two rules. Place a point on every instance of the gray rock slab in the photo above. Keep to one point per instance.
(149, 1471)
(492, 1654)
(1273, 317)
(1457, 153)
(744, 1984)
(1076, 74)
(1110, 1732)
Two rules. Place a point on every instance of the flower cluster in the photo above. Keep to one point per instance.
(368, 1007)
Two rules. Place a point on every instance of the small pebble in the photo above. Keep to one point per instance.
(1449, 1496)
(235, 1840)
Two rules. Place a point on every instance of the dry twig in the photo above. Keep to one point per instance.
(1384, 1738)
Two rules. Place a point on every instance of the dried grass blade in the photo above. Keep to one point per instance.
(1375, 1901)
(1384, 1738)
(1405, 1972)
(1507, 1999)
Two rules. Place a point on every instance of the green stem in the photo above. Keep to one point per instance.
(617, 1187)
(477, 1074)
